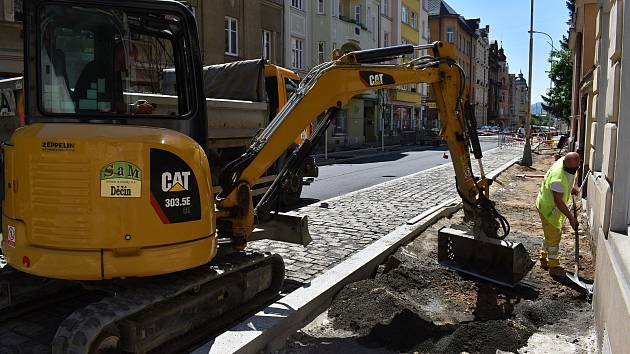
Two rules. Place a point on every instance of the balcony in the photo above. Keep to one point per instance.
(347, 30)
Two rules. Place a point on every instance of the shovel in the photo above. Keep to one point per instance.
(574, 277)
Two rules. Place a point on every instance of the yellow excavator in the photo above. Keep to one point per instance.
(101, 194)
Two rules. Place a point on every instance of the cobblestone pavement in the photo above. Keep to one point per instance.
(354, 220)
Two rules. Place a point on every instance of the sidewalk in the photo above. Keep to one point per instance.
(343, 225)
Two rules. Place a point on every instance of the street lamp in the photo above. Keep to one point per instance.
(553, 48)
(526, 160)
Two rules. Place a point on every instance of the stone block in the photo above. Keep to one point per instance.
(605, 204)
(594, 134)
(596, 78)
(591, 158)
(594, 106)
(612, 92)
(615, 30)
(609, 151)
(594, 198)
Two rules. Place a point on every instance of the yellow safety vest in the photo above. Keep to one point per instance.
(545, 202)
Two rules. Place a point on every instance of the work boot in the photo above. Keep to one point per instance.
(557, 272)
(544, 264)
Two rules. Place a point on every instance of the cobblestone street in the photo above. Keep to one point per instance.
(352, 221)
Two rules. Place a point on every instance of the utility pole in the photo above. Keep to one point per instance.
(527, 151)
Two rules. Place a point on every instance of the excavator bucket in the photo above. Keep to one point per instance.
(499, 261)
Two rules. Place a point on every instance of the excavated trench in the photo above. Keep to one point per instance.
(413, 304)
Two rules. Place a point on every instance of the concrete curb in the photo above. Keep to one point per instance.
(268, 329)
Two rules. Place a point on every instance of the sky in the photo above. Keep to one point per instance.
(509, 24)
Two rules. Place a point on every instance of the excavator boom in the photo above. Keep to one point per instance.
(323, 92)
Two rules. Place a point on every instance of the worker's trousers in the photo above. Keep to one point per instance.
(551, 245)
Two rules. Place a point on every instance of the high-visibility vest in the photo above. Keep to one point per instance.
(545, 202)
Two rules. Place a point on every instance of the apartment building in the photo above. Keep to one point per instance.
(493, 83)
(601, 134)
(404, 108)
(11, 58)
(520, 101)
(231, 30)
(504, 119)
(446, 25)
(347, 25)
(482, 68)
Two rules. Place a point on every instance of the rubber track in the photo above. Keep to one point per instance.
(78, 331)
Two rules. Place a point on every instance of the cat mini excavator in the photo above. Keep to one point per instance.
(115, 200)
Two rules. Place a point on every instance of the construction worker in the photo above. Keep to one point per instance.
(551, 203)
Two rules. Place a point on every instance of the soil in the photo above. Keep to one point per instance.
(413, 304)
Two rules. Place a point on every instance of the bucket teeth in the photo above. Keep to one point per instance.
(499, 261)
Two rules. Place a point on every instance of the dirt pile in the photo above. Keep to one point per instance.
(415, 305)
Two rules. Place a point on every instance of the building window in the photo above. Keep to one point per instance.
(320, 7)
(266, 45)
(424, 30)
(357, 13)
(386, 39)
(297, 4)
(297, 49)
(450, 35)
(405, 15)
(414, 20)
(321, 49)
(231, 36)
(385, 8)
(13, 11)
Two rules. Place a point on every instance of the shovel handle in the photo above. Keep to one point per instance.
(577, 239)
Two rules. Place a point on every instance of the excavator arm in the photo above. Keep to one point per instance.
(325, 90)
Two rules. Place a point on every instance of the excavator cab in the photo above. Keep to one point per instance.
(100, 64)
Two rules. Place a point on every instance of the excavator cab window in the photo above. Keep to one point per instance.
(108, 62)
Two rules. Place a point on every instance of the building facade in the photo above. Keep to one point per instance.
(11, 58)
(520, 100)
(404, 110)
(446, 25)
(482, 67)
(231, 30)
(494, 84)
(504, 119)
(600, 133)
(313, 29)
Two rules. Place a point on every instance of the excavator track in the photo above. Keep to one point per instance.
(168, 313)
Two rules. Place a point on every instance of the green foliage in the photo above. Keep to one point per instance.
(542, 120)
(558, 99)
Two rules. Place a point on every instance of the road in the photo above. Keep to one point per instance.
(338, 179)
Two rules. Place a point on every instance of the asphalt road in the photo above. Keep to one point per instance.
(342, 178)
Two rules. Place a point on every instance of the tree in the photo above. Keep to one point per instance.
(558, 99)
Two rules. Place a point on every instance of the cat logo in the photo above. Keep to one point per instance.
(175, 182)
(376, 80)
